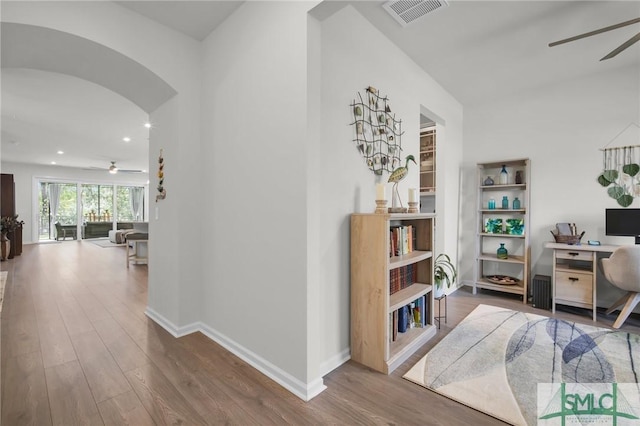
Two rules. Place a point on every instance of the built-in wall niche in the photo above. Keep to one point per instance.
(427, 165)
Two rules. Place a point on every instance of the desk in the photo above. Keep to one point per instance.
(574, 274)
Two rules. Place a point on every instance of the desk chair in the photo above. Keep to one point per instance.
(622, 270)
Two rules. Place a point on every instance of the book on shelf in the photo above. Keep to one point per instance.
(394, 326)
(403, 277)
(403, 318)
(413, 315)
(401, 240)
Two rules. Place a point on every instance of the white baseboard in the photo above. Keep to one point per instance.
(334, 362)
(174, 330)
(304, 391)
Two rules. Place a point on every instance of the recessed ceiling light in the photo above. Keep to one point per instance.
(53, 162)
(126, 139)
(147, 125)
(60, 152)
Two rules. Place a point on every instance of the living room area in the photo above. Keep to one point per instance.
(263, 174)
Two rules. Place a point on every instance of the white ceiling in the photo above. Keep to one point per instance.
(477, 50)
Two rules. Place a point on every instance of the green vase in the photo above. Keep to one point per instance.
(502, 252)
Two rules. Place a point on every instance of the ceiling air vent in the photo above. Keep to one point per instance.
(407, 11)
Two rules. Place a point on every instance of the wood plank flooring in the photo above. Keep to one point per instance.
(77, 349)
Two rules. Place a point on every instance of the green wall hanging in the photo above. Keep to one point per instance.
(621, 171)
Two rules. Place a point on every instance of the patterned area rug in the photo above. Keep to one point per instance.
(3, 282)
(494, 359)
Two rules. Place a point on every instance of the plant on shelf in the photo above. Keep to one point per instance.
(444, 272)
(10, 224)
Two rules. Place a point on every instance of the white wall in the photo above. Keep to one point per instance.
(26, 193)
(254, 163)
(561, 128)
(354, 56)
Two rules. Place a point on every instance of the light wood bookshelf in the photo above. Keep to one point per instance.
(372, 305)
(518, 262)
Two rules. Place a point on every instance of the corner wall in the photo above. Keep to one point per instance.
(355, 55)
(254, 299)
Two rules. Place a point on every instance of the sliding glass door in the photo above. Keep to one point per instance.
(58, 202)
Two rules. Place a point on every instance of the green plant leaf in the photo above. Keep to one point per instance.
(615, 192)
(610, 175)
(625, 200)
(631, 169)
(603, 180)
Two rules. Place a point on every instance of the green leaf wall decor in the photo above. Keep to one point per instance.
(615, 192)
(631, 169)
(625, 200)
(620, 168)
(604, 181)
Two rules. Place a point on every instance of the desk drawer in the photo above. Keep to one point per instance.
(574, 255)
(574, 286)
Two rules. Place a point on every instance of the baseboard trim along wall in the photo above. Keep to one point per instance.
(304, 391)
(334, 362)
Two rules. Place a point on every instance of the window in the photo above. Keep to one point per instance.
(97, 203)
(130, 203)
(58, 202)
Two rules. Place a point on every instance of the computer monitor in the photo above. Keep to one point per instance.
(623, 223)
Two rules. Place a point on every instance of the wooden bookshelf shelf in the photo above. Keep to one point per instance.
(407, 295)
(515, 289)
(493, 258)
(407, 259)
(485, 234)
(408, 343)
(379, 339)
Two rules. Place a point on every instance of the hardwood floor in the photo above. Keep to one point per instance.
(77, 349)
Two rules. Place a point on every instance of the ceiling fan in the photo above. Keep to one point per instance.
(615, 51)
(113, 169)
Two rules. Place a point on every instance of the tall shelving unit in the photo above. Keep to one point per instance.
(517, 264)
(428, 161)
(428, 169)
(372, 304)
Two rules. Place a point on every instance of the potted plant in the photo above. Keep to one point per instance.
(444, 272)
(8, 224)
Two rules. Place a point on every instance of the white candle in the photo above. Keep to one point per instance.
(380, 192)
(413, 195)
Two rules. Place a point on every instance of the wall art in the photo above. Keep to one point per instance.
(621, 172)
(377, 131)
(162, 193)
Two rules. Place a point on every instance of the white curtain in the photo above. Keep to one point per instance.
(136, 198)
(54, 202)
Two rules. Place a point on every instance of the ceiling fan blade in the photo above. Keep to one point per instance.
(591, 33)
(623, 46)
